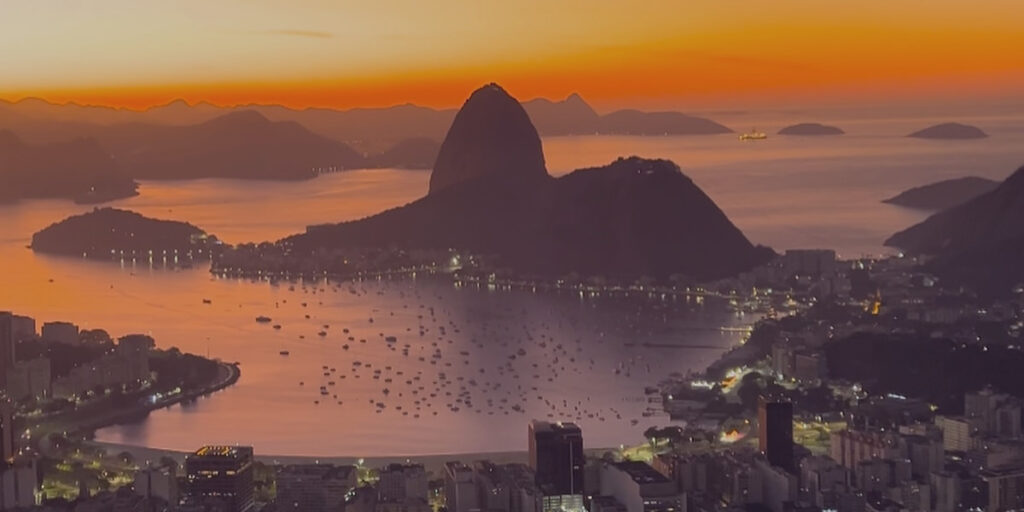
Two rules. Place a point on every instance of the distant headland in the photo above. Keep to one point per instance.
(77, 169)
(943, 194)
(811, 129)
(950, 131)
(490, 195)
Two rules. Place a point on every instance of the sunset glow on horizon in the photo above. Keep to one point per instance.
(654, 54)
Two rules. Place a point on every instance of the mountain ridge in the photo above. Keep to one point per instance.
(979, 242)
(632, 217)
(943, 194)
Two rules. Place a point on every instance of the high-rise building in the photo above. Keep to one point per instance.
(157, 481)
(640, 488)
(460, 489)
(19, 485)
(61, 332)
(221, 475)
(399, 483)
(1005, 489)
(314, 487)
(8, 436)
(775, 428)
(6, 345)
(556, 456)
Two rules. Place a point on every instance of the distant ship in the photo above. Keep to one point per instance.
(753, 135)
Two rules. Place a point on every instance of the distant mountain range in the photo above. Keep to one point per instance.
(943, 194)
(980, 242)
(490, 193)
(182, 141)
(242, 144)
(372, 129)
(77, 169)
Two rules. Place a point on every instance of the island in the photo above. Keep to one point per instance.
(943, 194)
(635, 122)
(77, 169)
(811, 129)
(110, 233)
(950, 131)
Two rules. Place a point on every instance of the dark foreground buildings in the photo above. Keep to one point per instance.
(775, 432)
(556, 456)
(221, 475)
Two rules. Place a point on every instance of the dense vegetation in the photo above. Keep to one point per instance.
(174, 369)
(936, 370)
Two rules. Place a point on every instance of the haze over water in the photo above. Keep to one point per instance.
(785, 192)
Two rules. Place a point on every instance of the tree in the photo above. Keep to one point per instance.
(95, 337)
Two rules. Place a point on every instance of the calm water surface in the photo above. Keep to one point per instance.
(501, 358)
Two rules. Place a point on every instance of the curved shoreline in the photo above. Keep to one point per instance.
(232, 374)
(88, 426)
(431, 462)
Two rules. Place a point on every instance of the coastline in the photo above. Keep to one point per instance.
(88, 425)
(434, 462)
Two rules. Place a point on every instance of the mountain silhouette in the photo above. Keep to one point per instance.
(414, 153)
(243, 144)
(635, 122)
(491, 135)
(372, 130)
(811, 129)
(943, 194)
(491, 195)
(78, 169)
(980, 242)
(950, 131)
(571, 116)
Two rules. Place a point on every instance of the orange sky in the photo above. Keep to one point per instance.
(656, 53)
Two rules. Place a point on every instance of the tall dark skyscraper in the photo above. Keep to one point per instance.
(556, 456)
(6, 346)
(8, 436)
(221, 474)
(775, 428)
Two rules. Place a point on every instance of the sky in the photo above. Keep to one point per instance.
(649, 53)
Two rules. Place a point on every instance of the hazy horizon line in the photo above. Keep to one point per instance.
(987, 101)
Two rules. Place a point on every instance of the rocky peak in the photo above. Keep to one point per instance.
(491, 136)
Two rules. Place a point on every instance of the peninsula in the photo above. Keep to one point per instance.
(490, 195)
(943, 194)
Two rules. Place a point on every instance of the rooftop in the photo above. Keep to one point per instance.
(224, 451)
(641, 472)
(559, 426)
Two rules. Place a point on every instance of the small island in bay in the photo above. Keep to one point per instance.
(635, 122)
(813, 129)
(943, 194)
(110, 232)
(950, 131)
